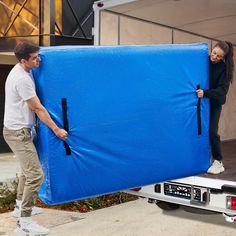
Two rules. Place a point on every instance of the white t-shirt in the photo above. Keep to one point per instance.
(19, 88)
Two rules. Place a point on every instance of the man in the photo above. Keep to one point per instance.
(21, 105)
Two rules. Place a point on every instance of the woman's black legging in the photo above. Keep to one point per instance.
(215, 142)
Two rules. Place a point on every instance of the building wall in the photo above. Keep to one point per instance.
(121, 30)
(81, 9)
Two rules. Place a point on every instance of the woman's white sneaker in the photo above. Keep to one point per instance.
(216, 168)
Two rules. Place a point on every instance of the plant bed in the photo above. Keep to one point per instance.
(91, 204)
(8, 196)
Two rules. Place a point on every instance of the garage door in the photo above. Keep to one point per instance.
(5, 69)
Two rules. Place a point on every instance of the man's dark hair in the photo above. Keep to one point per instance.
(23, 50)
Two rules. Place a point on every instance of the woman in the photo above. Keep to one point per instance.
(221, 75)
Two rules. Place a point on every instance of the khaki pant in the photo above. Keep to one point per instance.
(31, 172)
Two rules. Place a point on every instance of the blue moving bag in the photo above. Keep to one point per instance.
(132, 117)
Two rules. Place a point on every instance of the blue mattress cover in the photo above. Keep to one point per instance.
(132, 117)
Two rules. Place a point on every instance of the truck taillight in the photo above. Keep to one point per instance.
(100, 4)
(136, 189)
(231, 202)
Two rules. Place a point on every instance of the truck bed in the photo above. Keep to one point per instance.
(229, 161)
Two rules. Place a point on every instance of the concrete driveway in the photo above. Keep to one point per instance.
(137, 218)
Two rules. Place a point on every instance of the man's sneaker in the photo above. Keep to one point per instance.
(216, 168)
(27, 227)
(17, 210)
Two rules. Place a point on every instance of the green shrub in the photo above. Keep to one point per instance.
(8, 196)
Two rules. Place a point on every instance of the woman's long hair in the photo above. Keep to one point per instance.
(228, 50)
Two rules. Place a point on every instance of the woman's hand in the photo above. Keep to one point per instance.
(200, 93)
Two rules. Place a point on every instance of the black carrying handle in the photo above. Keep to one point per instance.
(199, 119)
(65, 122)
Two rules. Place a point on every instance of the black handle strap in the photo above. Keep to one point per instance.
(65, 122)
(199, 119)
